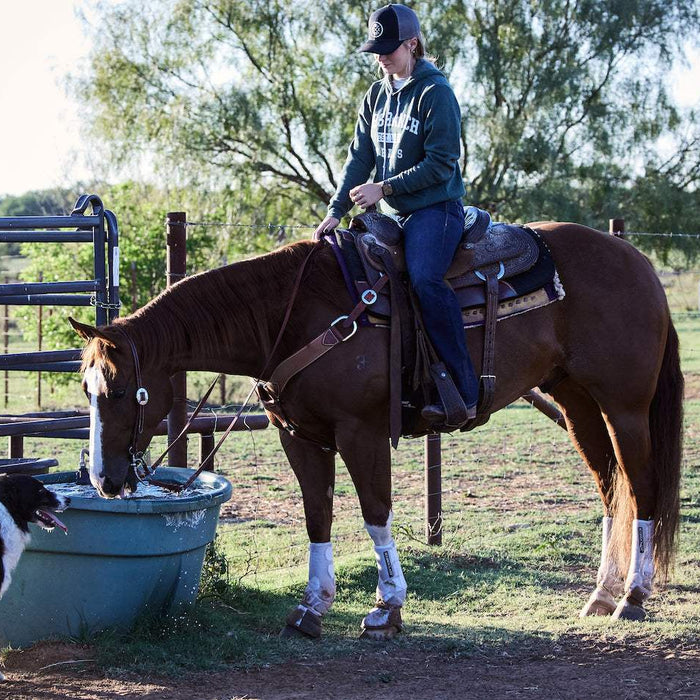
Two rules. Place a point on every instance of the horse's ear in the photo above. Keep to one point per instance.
(87, 332)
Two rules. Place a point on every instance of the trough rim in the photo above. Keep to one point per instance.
(220, 493)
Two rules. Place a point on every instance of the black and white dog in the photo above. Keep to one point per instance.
(23, 500)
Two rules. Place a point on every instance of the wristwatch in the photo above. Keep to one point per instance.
(387, 189)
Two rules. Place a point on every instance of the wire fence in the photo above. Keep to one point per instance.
(273, 227)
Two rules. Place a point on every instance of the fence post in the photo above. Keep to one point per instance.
(15, 446)
(206, 445)
(39, 331)
(6, 346)
(222, 390)
(616, 227)
(134, 288)
(176, 238)
(433, 490)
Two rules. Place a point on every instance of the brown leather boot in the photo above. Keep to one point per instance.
(435, 413)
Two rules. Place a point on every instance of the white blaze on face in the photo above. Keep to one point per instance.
(94, 381)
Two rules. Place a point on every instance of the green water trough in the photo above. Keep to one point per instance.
(120, 560)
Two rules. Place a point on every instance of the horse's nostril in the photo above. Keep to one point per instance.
(109, 487)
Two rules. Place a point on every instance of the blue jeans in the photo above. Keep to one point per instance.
(431, 237)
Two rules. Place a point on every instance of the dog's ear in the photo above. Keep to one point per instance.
(87, 332)
(12, 498)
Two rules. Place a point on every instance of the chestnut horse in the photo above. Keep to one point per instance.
(608, 353)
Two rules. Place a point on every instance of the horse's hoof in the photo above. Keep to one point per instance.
(380, 635)
(289, 632)
(600, 603)
(628, 610)
(382, 622)
(302, 622)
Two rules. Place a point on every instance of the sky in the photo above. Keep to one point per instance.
(40, 127)
(42, 140)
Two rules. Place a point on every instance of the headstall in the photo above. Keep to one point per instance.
(138, 461)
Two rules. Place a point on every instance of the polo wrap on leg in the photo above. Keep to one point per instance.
(319, 593)
(638, 585)
(391, 584)
(320, 590)
(609, 576)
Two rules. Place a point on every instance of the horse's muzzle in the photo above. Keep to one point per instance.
(120, 482)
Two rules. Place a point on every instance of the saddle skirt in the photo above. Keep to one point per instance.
(517, 255)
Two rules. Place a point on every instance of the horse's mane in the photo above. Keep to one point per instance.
(220, 306)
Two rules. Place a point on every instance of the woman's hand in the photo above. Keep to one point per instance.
(326, 226)
(366, 195)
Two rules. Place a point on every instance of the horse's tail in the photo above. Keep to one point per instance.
(666, 431)
(666, 428)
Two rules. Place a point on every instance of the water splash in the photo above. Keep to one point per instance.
(191, 519)
(144, 492)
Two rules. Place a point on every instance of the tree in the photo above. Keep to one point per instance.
(141, 212)
(260, 95)
(35, 203)
(566, 89)
(38, 203)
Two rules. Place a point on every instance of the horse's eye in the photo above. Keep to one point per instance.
(116, 393)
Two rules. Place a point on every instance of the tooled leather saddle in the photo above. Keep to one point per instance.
(504, 250)
(500, 270)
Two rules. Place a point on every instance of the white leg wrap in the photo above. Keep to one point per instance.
(320, 590)
(609, 577)
(641, 571)
(391, 585)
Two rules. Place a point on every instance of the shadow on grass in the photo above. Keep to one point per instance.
(240, 628)
(434, 576)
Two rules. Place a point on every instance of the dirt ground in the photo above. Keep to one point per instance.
(56, 670)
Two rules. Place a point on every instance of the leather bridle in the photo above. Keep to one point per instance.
(142, 470)
(138, 462)
(285, 370)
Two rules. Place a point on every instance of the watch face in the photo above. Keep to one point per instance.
(387, 189)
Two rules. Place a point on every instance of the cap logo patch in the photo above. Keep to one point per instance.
(376, 30)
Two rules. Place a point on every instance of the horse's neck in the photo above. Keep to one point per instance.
(211, 322)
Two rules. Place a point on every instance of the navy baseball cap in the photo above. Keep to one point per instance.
(389, 27)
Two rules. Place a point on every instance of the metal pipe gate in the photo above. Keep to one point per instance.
(102, 292)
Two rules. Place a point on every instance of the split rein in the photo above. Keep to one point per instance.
(142, 470)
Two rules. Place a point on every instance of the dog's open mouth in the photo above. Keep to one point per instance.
(49, 521)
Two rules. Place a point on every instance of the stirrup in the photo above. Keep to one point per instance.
(435, 415)
(453, 405)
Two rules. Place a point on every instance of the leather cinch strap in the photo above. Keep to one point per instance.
(488, 377)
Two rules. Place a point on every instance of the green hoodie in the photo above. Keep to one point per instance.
(420, 126)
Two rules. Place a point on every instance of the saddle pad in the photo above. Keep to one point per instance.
(538, 286)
